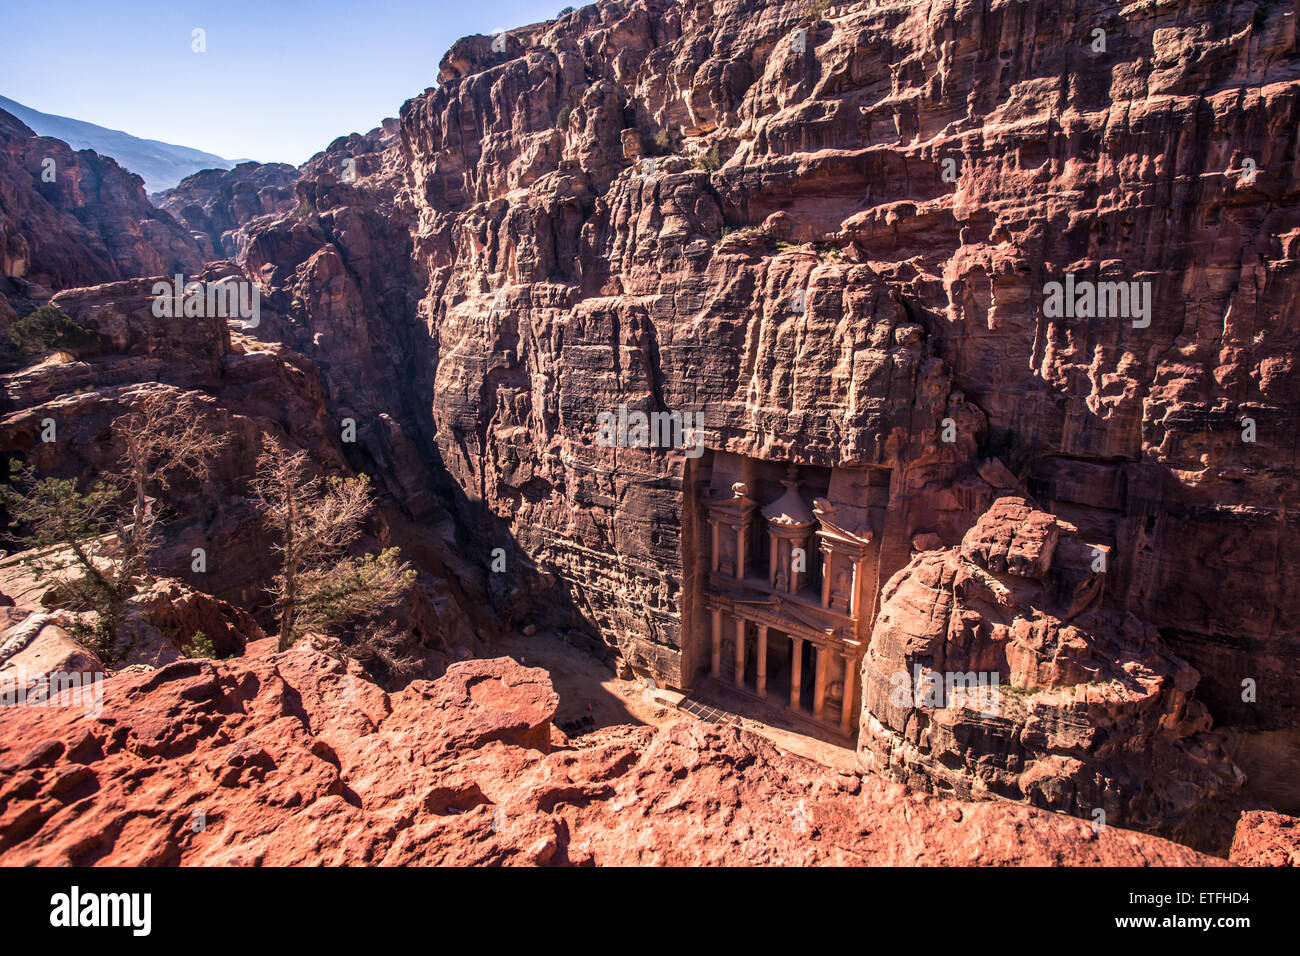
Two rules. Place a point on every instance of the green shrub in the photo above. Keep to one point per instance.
(199, 645)
(710, 161)
(562, 120)
(47, 330)
(661, 145)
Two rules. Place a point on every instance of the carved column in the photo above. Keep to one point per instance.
(739, 676)
(740, 552)
(796, 577)
(846, 712)
(762, 660)
(854, 588)
(827, 568)
(717, 642)
(713, 525)
(819, 685)
(796, 668)
(772, 560)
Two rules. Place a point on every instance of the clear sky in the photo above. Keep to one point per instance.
(280, 78)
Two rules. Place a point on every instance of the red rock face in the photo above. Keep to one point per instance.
(1266, 839)
(75, 218)
(993, 671)
(946, 165)
(292, 759)
(846, 240)
(243, 390)
(214, 203)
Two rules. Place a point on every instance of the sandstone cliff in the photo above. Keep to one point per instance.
(832, 230)
(214, 203)
(71, 218)
(566, 275)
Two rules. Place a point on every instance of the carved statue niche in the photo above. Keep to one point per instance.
(726, 555)
(844, 551)
(729, 520)
(842, 589)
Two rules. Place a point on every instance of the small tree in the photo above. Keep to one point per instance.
(661, 144)
(709, 161)
(70, 532)
(161, 438)
(48, 329)
(94, 545)
(319, 586)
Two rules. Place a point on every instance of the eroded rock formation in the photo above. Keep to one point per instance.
(71, 218)
(605, 212)
(214, 203)
(993, 670)
(842, 234)
(295, 759)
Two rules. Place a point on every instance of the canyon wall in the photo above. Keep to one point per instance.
(71, 218)
(622, 206)
(832, 231)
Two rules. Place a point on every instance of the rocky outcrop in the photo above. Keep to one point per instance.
(1266, 839)
(844, 234)
(295, 759)
(607, 210)
(992, 671)
(243, 389)
(76, 219)
(163, 621)
(343, 290)
(214, 203)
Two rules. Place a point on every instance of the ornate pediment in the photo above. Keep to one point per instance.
(790, 511)
(830, 531)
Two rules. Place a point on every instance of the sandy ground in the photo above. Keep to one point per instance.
(588, 688)
(592, 696)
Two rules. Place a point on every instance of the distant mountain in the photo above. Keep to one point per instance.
(160, 165)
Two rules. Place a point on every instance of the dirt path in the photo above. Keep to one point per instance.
(592, 696)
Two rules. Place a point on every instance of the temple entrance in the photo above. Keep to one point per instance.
(807, 676)
(787, 578)
(752, 662)
(781, 671)
(780, 656)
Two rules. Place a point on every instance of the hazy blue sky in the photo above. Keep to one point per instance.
(279, 80)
